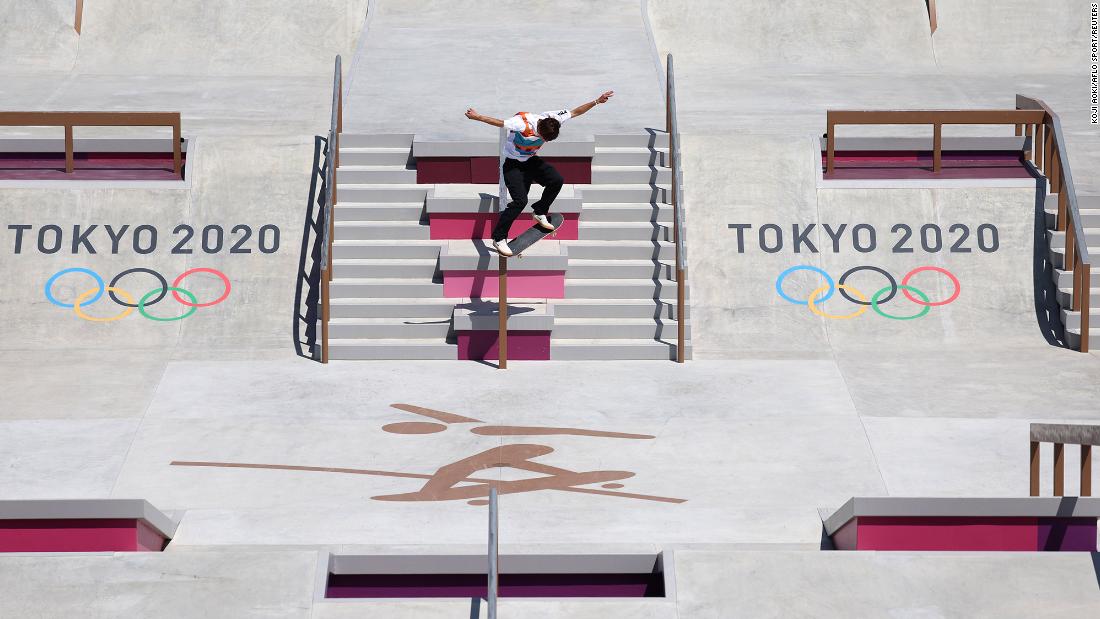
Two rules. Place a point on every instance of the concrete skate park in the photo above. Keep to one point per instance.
(813, 340)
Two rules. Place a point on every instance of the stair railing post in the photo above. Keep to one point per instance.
(1059, 469)
(494, 564)
(502, 268)
(1034, 468)
(1086, 470)
(677, 213)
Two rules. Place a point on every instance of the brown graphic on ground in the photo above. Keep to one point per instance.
(453, 481)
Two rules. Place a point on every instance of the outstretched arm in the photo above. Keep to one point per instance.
(581, 109)
(473, 115)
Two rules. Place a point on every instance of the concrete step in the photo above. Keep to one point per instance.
(353, 249)
(627, 211)
(374, 156)
(380, 268)
(382, 211)
(1064, 279)
(358, 192)
(619, 289)
(389, 328)
(643, 175)
(621, 250)
(429, 348)
(599, 350)
(631, 192)
(1057, 239)
(629, 155)
(349, 174)
(615, 308)
(1072, 320)
(438, 308)
(625, 231)
(616, 328)
(365, 288)
(635, 140)
(1065, 296)
(376, 140)
(621, 269)
(381, 230)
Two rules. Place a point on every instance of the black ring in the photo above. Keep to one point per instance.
(867, 267)
(163, 286)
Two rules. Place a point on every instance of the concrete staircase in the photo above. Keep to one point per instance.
(387, 291)
(1089, 207)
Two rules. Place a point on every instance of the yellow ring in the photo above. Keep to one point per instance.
(125, 295)
(859, 295)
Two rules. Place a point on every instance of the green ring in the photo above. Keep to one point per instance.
(920, 314)
(141, 304)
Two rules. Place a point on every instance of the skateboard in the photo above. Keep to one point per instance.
(533, 234)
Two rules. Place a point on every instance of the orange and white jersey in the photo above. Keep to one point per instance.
(523, 139)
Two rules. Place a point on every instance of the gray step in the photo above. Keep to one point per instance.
(616, 328)
(364, 288)
(624, 193)
(600, 350)
(1057, 239)
(616, 308)
(396, 211)
(1065, 296)
(620, 250)
(619, 289)
(1064, 279)
(349, 174)
(356, 192)
(374, 156)
(389, 328)
(440, 308)
(620, 140)
(627, 211)
(376, 140)
(643, 175)
(626, 231)
(381, 230)
(630, 155)
(380, 268)
(1072, 320)
(342, 249)
(431, 348)
(620, 269)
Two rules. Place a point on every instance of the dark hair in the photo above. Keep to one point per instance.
(548, 128)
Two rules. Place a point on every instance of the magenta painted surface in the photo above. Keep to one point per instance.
(85, 535)
(511, 585)
(913, 165)
(483, 284)
(484, 170)
(460, 226)
(88, 166)
(522, 345)
(967, 534)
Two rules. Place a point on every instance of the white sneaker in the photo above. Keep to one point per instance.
(502, 248)
(544, 223)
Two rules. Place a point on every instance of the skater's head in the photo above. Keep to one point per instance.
(548, 129)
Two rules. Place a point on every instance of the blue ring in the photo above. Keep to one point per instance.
(803, 267)
(51, 280)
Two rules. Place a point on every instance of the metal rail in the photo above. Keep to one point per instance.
(678, 236)
(79, 18)
(332, 161)
(68, 120)
(494, 563)
(1061, 434)
(1050, 156)
(502, 268)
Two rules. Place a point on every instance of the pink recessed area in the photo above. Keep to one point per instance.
(461, 226)
(917, 165)
(89, 166)
(522, 345)
(484, 284)
(972, 533)
(79, 535)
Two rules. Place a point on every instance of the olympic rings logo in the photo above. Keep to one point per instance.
(879, 298)
(154, 296)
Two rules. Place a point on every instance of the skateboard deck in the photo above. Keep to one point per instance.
(533, 234)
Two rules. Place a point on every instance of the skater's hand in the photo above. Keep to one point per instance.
(605, 96)
(472, 114)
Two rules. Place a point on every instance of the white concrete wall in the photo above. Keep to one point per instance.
(37, 36)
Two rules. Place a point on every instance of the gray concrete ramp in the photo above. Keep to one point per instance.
(37, 36)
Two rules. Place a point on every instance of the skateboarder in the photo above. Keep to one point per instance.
(527, 132)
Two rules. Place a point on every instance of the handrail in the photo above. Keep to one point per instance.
(936, 118)
(1060, 434)
(1052, 158)
(502, 266)
(332, 157)
(68, 120)
(678, 236)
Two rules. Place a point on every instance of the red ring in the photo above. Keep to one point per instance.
(949, 274)
(225, 280)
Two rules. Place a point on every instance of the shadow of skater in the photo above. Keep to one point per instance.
(1047, 310)
(307, 289)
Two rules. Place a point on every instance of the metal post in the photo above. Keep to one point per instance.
(1086, 277)
(494, 567)
(1034, 468)
(1059, 469)
(1086, 470)
(78, 22)
(177, 157)
(937, 147)
(68, 149)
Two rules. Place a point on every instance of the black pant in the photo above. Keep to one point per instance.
(518, 176)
